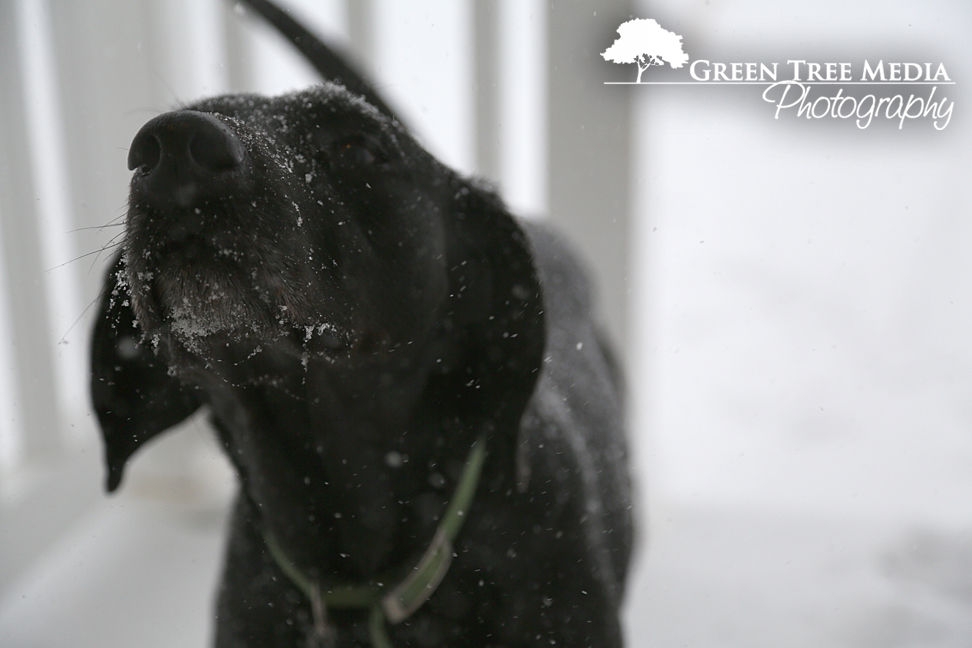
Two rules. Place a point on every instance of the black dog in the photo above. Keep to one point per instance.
(425, 424)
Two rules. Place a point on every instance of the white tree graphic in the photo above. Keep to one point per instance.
(644, 42)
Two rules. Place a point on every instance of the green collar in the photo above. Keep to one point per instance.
(394, 604)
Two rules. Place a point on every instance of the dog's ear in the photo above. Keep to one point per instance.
(133, 394)
(327, 63)
(496, 302)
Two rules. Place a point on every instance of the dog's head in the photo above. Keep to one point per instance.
(309, 221)
(304, 229)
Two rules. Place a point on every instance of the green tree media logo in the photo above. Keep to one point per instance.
(816, 90)
(643, 41)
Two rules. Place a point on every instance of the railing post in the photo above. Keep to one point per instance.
(590, 144)
(24, 272)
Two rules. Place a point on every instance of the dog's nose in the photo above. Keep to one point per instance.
(179, 153)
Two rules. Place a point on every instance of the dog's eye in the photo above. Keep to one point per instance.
(357, 150)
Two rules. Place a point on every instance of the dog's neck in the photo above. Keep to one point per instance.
(349, 454)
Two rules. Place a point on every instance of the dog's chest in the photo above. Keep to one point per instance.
(347, 491)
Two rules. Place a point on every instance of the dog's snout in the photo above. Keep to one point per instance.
(179, 152)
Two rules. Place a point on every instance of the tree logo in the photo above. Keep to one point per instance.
(644, 42)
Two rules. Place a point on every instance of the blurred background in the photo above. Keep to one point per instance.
(790, 298)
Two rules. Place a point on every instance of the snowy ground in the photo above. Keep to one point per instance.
(141, 571)
(724, 578)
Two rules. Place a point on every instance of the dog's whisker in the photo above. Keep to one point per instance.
(111, 245)
(80, 317)
(84, 256)
(97, 228)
